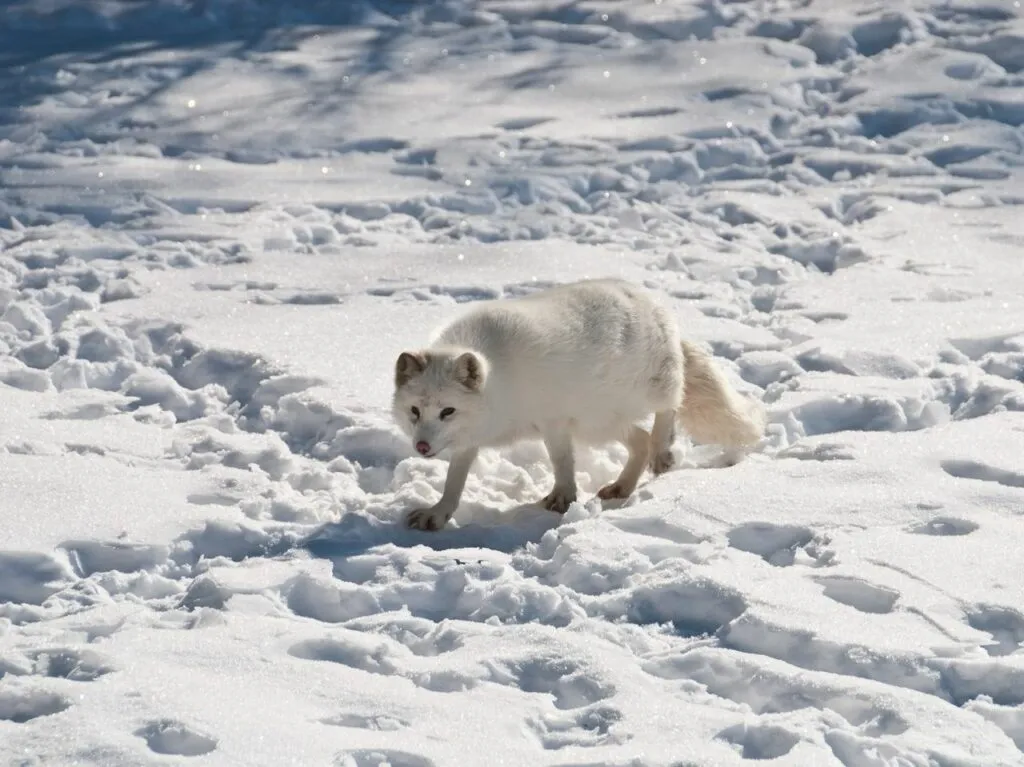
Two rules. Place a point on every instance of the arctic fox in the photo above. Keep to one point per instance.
(586, 362)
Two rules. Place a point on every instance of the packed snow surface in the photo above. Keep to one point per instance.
(222, 220)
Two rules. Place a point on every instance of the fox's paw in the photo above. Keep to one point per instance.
(431, 519)
(662, 462)
(558, 500)
(614, 491)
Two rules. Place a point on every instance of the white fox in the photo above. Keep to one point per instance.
(586, 362)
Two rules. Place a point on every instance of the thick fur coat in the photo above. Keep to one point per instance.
(585, 363)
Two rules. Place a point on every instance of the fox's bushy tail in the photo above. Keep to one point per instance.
(712, 411)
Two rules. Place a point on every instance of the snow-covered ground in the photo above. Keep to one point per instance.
(223, 219)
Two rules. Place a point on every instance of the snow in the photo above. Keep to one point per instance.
(222, 220)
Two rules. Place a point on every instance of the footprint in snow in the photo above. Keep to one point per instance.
(983, 472)
(376, 722)
(585, 727)
(648, 112)
(825, 451)
(570, 685)
(89, 557)
(69, 663)
(859, 594)
(24, 705)
(759, 741)
(30, 578)
(212, 499)
(1004, 624)
(367, 757)
(420, 636)
(359, 655)
(945, 526)
(824, 316)
(657, 528)
(174, 738)
(772, 687)
(312, 298)
(782, 545)
(378, 656)
(523, 123)
(515, 289)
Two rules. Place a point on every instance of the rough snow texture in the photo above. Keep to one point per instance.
(223, 219)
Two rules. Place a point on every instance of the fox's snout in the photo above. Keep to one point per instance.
(423, 448)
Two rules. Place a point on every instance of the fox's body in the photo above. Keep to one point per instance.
(591, 358)
(583, 362)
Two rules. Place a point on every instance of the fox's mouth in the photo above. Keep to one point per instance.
(433, 453)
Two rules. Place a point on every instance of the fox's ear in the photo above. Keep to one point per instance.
(470, 371)
(408, 366)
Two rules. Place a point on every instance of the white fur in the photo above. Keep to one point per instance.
(583, 362)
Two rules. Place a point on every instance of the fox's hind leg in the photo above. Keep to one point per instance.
(559, 445)
(662, 436)
(639, 443)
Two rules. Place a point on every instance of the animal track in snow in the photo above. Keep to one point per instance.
(770, 686)
(976, 348)
(857, 363)
(781, 545)
(855, 749)
(91, 557)
(460, 294)
(657, 528)
(367, 757)
(31, 578)
(820, 316)
(983, 472)
(590, 726)
(570, 684)
(24, 705)
(695, 607)
(648, 112)
(1004, 624)
(312, 298)
(376, 655)
(420, 636)
(377, 722)
(759, 741)
(69, 663)
(834, 413)
(174, 738)
(764, 368)
(355, 654)
(859, 594)
(240, 285)
(212, 499)
(523, 123)
(945, 526)
(825, 451)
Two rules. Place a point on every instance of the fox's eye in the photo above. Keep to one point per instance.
(448, 411)
(415, 412)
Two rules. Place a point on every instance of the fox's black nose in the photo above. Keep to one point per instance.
(422, 447)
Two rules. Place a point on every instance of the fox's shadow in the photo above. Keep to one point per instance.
(505, 532)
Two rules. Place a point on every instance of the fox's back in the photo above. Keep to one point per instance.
(609, 317)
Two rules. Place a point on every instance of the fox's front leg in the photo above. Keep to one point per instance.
(437, 516)
(559, 445)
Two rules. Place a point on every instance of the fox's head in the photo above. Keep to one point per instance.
(438, 397)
